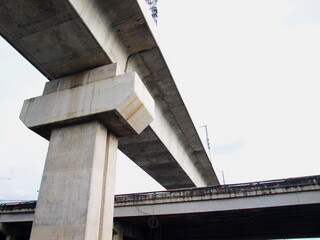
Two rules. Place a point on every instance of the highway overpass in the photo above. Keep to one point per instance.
(278, 209)
(110, 87)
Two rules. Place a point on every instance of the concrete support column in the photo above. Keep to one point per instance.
(77, 189)
(83, 115)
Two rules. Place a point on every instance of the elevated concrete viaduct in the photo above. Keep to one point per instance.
(279, 209)
(62, 38)
(110, 88)
(65, 37)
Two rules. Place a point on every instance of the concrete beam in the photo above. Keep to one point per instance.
(218, 205)
(64, 37)
(121, 103)
(18, 217)
(76, 80)
(256, 195)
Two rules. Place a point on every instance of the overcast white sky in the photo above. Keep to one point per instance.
(247, 69)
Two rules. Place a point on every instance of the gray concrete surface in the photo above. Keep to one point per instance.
(82, 116)
(275, 193)
(61, 38)
(121, 103)
(279, 209)
(77, 188)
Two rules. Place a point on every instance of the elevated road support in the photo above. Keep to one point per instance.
(96, 52)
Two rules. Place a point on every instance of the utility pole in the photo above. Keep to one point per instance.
(207, 136)
(208, 145)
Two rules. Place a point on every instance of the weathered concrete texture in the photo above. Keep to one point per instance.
(156, 151)
(25, 23)
(62, 37)
(121, 103)
(242, 190)
(279, 209)
(77, 188)
(275, 193)
(76, 80)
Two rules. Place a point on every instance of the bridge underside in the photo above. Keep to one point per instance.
(267, 223)
(264, 223)
(278, 209)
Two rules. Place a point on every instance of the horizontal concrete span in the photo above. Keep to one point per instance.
(64, 37)
(278, 209)
(274, 193)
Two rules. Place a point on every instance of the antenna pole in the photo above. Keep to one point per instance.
(207, 136)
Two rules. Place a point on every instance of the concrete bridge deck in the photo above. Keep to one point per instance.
(64, 37)
(285, 208)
